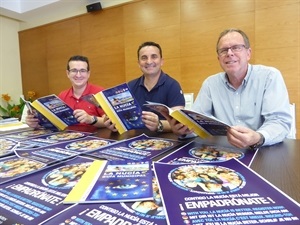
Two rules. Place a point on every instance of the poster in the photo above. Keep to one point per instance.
(221, 194)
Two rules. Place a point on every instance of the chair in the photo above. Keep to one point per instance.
(189, 100)
(292, 134)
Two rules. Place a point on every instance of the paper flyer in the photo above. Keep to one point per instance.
(35, 198)
(20, 135)
(51, 139)
(221, 193)
(137, 148)
(13, 167)
(149, 212)
(7, 146)
(63, 150)
(195, 152)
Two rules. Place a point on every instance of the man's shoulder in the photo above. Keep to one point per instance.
(265, 71)
(65, 93)
(216, 76)
(167, 78)
(134, 82)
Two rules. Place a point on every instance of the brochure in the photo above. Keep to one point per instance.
(52, 109)
(120, 106)
(202, 125)
(113, 181)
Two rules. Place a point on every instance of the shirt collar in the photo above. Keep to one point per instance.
(245, 81)
(162, 78)
(85, 92)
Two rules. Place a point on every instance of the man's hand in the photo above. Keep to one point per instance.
(179, 128)
(82, 116)
(108, 124)
(242, 137)
(31, 119)
(150, 120)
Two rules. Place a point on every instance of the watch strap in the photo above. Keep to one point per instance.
(95, 120)
(160, 127)
(258, 144)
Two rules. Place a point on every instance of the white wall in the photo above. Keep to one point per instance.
(60, 10)
(10, 68)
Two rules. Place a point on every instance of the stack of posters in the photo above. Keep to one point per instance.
(9, 142)
(55, 147)
(36, 197)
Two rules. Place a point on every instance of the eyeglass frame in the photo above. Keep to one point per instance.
(234, 48)
(75, 71)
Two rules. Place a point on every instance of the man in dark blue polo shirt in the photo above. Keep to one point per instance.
(155, 86)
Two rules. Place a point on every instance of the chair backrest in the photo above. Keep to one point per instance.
(189, 100)
(292, 134)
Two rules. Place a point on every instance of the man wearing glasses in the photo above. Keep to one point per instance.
(253, 99)
(78, 71)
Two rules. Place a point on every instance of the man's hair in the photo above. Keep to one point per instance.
(79, 58)
(245, 37)
(149, 43)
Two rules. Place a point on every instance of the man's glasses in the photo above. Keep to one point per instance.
(234, 48)
(75, 71)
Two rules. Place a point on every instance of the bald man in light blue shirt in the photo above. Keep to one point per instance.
(253, 99)
(261, 103)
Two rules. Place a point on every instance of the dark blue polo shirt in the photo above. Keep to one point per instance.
(167, 91)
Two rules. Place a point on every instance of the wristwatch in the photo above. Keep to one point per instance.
(95, 120)
(258, 144)
(160, 127)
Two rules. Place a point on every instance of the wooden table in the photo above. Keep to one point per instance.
(279, 164)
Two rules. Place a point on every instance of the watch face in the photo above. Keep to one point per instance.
(160, 127)
(259, 143)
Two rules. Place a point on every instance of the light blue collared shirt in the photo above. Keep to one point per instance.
(261, 103)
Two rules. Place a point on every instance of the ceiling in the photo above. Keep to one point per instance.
(31, 11)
